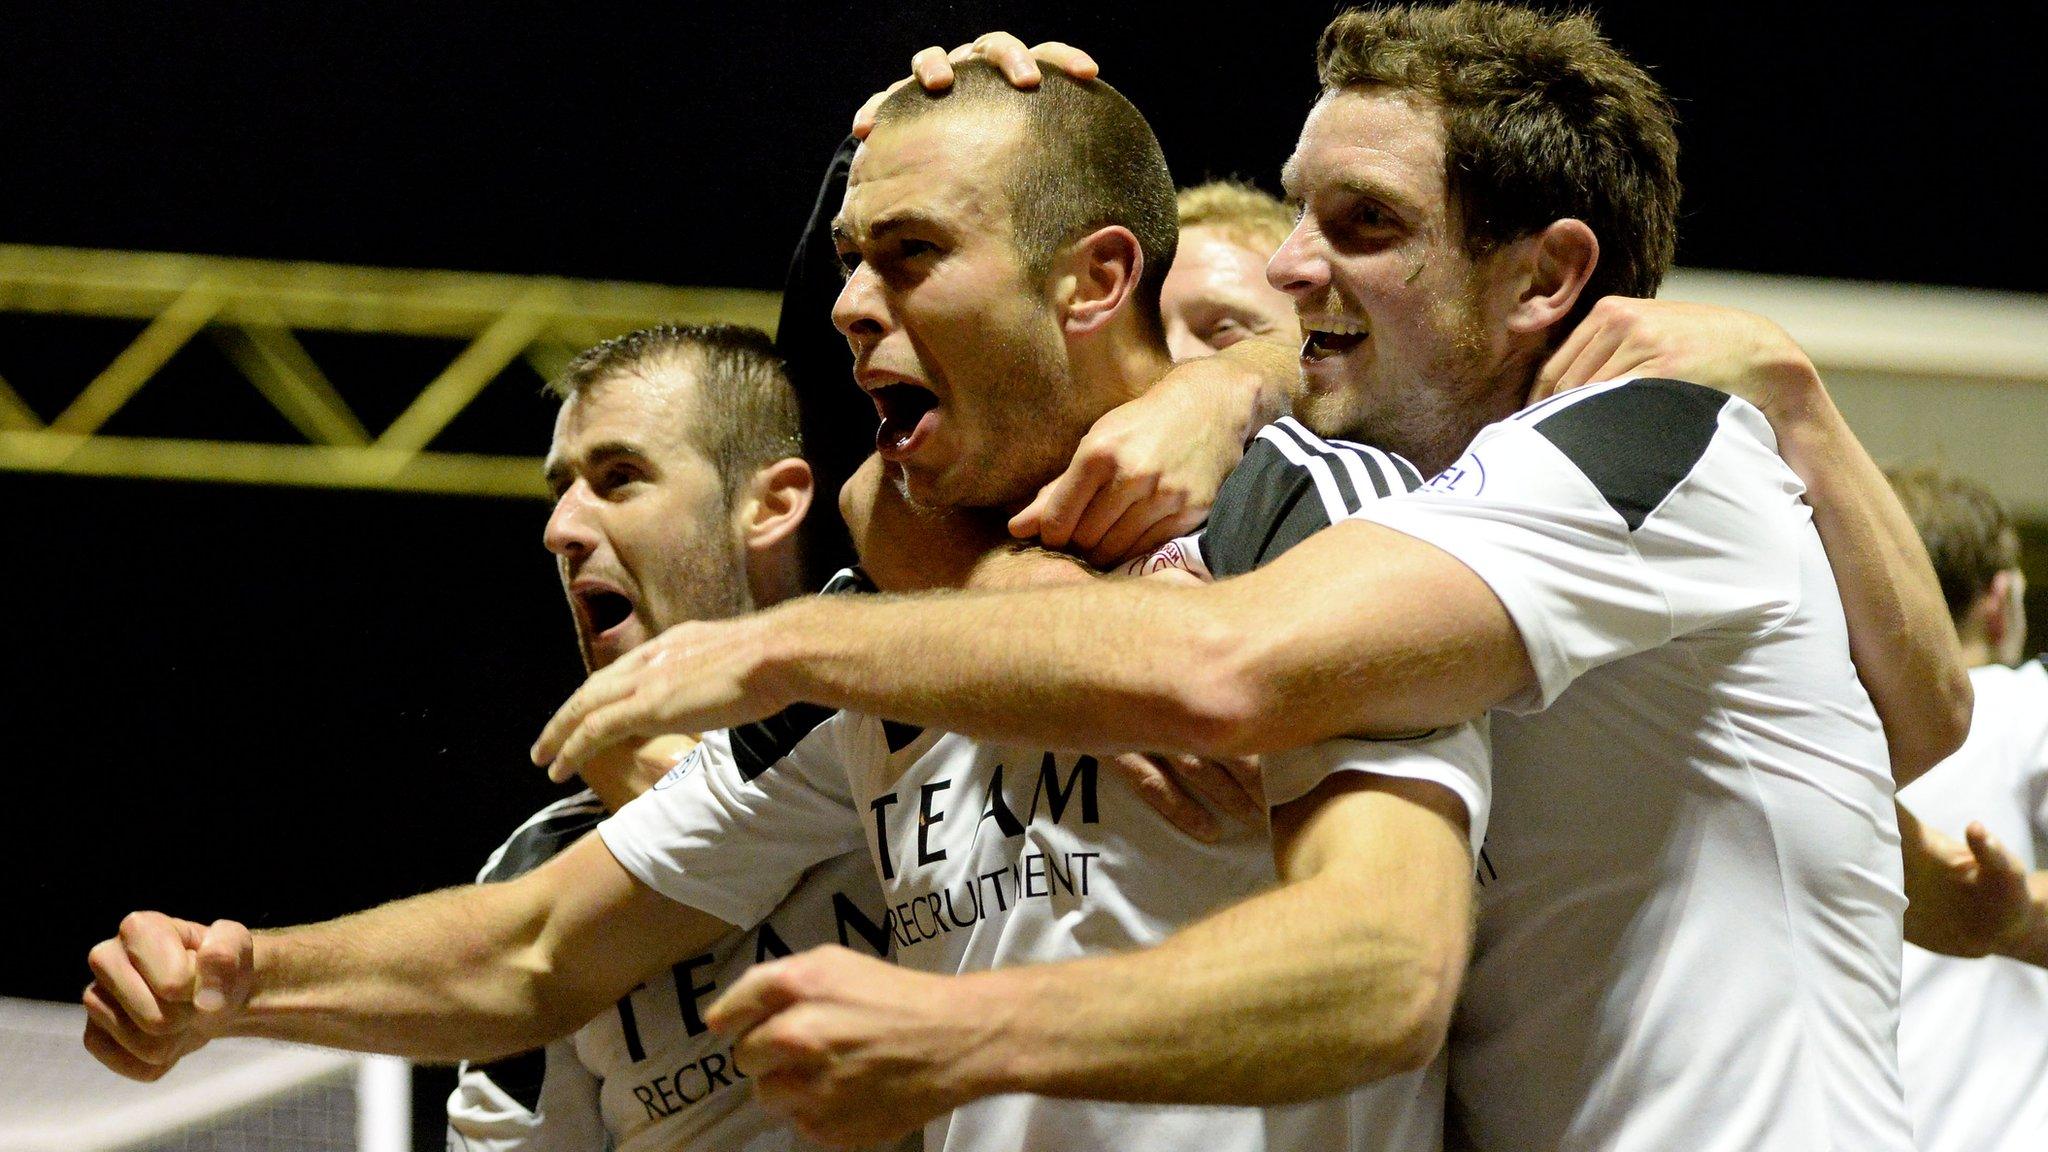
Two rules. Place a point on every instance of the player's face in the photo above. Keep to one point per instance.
(959, 349)
(640, 530)
(1216, 294)
(1398, 349)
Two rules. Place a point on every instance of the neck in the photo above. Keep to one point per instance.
(1119, 365)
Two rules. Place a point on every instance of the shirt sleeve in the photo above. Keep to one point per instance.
(1637, 513)
(734, 827)
(1290, 485)
(1459, 758)
(539, 1101)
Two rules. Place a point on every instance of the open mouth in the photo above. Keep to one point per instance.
(1330, 338)
(606, 610)
(905, 410)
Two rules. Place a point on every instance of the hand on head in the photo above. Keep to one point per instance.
(933, 68)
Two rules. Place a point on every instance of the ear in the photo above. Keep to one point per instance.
(1996, 608)
(1095, 277)
(1552, 269)
(773, 507)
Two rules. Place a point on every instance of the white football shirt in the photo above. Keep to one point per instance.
(1973, 1034)
(992, 856)
(648, 1076)
(1689, 930)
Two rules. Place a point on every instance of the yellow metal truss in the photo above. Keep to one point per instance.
(252, 308)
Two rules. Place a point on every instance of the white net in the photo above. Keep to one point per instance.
(231, 1096)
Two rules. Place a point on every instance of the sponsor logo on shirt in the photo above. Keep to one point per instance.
(1465, 478)
(684, 767)
(941, 903)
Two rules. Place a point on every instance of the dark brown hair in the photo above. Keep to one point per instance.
(1967, 532)
(1090, 161)
(1544, 120)
(746, 411)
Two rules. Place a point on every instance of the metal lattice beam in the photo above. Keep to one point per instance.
(252, 309)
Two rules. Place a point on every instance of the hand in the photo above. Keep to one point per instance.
(696, 676)
(623, 771)
(1723, 348)
(1966, 899)
(1148, 470)
(162, 988)
(854, 1050)
(1172, 784)
(933, 68)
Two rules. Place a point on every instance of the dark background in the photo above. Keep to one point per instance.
(279, 705)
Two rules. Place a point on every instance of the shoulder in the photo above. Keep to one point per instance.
(1636, 440)
(1291, 484)
(543, 835)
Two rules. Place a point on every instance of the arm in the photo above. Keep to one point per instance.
(1270, 660)
(1900, 635)
(480, 971)
(1308, 990)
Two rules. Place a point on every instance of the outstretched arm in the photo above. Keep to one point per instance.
(1308, 990)
(1900, 635)
(1262, 662)
(464, 973)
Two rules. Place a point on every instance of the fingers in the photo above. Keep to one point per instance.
(1158, 788)
(1209, 780)
(1993, 861)
(765, 990)
(602, 728)
(1139, 522)
(1168, 528)
(1008, 54)
(160, 951)
(864, 119)
(1106, 511)
(223, 965)
(932, 69)
(109, 1051)
(600, 691)
(1596, 357)
(119, 1042)
(1067, 58)
(1060, 505)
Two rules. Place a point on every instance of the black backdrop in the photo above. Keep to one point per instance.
(280, 705)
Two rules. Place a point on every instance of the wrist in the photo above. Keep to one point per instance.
(1000, 1057)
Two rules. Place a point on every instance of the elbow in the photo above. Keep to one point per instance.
(1413, 1035)
(1940, 729)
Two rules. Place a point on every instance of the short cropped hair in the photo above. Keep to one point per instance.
(1543, 120)
(746, 411)
(1244, 214)
(1090, 161)
(1966, 530)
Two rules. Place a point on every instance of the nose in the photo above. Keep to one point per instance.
(1300, 266)
(860, 313)
(571, 532)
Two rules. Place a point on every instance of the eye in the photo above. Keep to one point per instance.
(616, 476)
(849, 260)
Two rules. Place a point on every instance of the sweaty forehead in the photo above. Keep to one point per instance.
(651, 407)
(1373, 141)
(948, 167)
